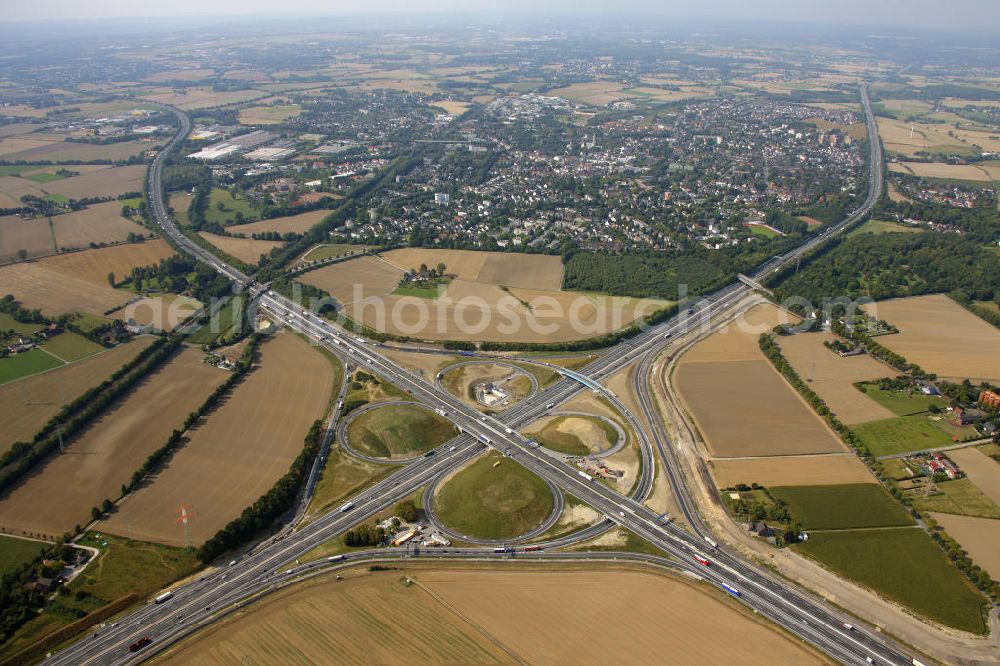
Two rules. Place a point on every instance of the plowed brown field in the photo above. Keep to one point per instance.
(238, 452)
(741, 405)
(59, 493)
(462, 615)
(979, 536)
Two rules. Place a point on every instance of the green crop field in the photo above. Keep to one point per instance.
(901, 435)
(209, 333)
(960, 496)
(904, 565)
(8, 323)
(552, 436)
(43, 177)
(71, 346)
(398, 431)
(490, 502)
(15, 552)
(903, 404)
(25, 364)
(882, 227)
(842, 506)
(230, 206)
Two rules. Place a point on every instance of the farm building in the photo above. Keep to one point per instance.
(989, 399)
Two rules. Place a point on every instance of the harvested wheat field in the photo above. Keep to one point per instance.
(531, 271)
(742, 406)
(477, 311)
(246, 250)
(60, 492)
(942, 337)
(36, 285)
(199, 98)
(463, 615)
(941, 170)
(104, 183)
(163, 313)
(30, 402)
(821, 470)
(238, 452)
(979, 536)
(833, 376)
(295, 223)
(355, 279)
(68, 151)
(94, 265)
(99, 223)
(981, 470)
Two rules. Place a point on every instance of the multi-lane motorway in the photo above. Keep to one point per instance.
(266, 567)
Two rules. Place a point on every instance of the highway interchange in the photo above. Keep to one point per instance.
(266, 567)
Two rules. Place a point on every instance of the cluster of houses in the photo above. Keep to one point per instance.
(26, 343)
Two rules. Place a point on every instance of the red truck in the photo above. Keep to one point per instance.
(139, 644)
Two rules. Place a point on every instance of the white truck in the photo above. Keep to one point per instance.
(585, 475)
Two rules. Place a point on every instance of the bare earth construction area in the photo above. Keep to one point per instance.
(464, 615)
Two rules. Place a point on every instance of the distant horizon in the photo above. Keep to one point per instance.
(976, 16)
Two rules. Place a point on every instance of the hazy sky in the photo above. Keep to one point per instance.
(976, 15)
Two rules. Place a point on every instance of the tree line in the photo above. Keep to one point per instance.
(74, 416)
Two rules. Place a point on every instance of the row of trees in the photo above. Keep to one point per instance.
(73, 417)
(271, 505)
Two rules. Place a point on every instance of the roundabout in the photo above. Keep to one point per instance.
(492, 500)
(488, 385)
(393, 432)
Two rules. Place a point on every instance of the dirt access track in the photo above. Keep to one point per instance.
(237, 453)
(462, 614)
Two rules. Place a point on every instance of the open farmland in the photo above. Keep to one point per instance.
(191, 98)
(929, 330)
(592, 93)
(269, 115)
(246, 250)
(981, 470)
(161, 312)
(99, 223)
(910, 139)
(889, 561)
(237, 453)
(462, 615)
(356, 279)
(902, 434)
(36, 285)
(837, 507)
(293, 223)
(25, 364)
(833, 376)
(979, 536)
(29, 403)
(741, 405)
(833, 469)
(94, 265)
(40, 181)
(398, 431)
(67, 151)
(530, 271)
(108, 182)
(493, 501)
(941, 170)
(332, 250)
(60, 492)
